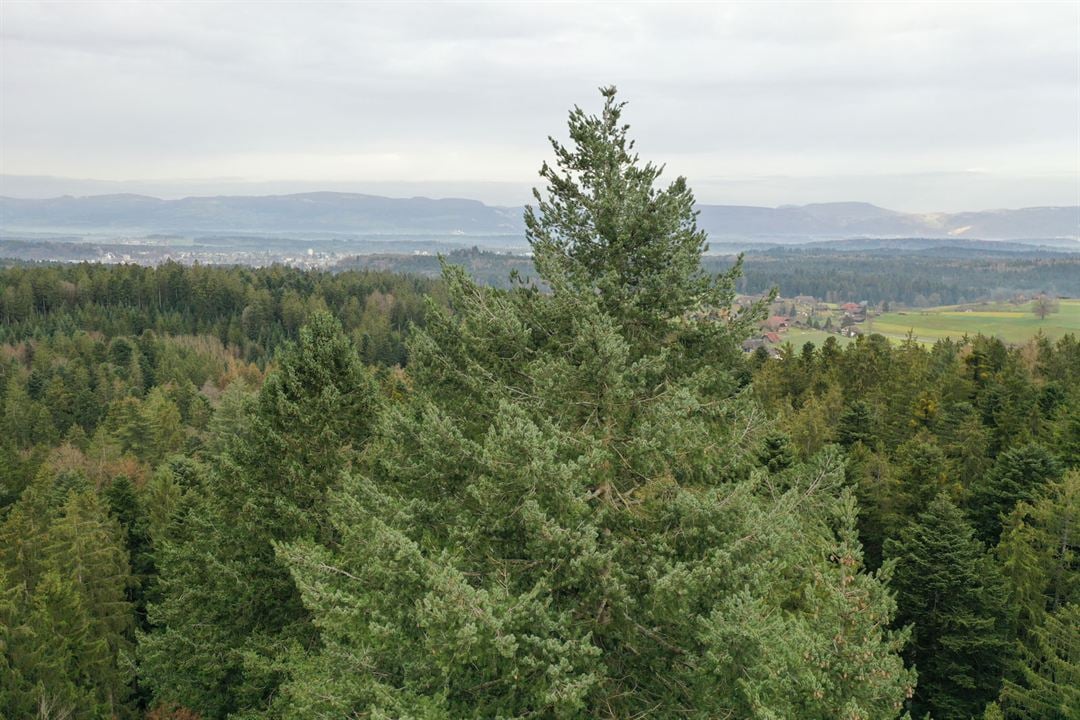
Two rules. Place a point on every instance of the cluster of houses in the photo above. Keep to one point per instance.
(805, 312)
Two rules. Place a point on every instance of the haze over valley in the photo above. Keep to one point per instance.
(358, 224)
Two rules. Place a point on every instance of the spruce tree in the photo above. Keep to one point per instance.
(15, 473)
(857, 424)
(164, 432)
(1049, 683)
(86, 549)
(1018, 475)
(55, 647)
(69, 625)
(229, 612)
(13, 695)
(879, 496)
(565, 516)
(127, 507)
(951, 592)
(1067, 432)
(776, 454)
(921, 474)
(1038, 554)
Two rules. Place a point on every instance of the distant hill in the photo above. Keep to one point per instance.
(824, 221)
(941, 245)
(307, 212)
(365, 214)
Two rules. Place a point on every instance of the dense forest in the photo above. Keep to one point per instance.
(965, 458)
(876, 272)
(251, 310)
(916, 278)
(228, 492)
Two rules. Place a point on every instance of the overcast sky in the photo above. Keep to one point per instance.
(946, 106)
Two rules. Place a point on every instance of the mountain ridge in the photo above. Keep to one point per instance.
(359, 213)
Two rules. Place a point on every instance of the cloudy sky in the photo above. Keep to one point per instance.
(945, 106)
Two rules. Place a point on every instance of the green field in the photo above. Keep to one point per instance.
(800, 336)
(1011, 323)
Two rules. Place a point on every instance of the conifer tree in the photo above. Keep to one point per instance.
(24, 532)
(951, 592)
(85, 548)
(967, 447)
(15, 473)
(163, 427)
(68, 643)
(25, 422)
(565, 516)
(128, 509)
(1049, 685)
(229, 611)
(167, 496)
(880, 500)
(13, 695)
(1018, 475)
(857, 425)
(55, 646)
(604, 227)
(1068, 435)
(922, 473)
(1038, 554)
(776, 454)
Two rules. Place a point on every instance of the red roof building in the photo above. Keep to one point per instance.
(777, 322)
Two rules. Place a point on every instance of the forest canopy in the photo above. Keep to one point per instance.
(239, 493)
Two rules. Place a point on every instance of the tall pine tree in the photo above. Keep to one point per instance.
(565, 517)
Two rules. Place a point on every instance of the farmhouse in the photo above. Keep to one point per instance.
(752, 344)
(855, 311)
(777, 322)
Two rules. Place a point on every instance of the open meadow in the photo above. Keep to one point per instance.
(1012, 323)
(799, 336)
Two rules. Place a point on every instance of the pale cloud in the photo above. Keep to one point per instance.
(756, 103)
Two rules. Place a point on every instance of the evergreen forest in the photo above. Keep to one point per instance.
(231, 492)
